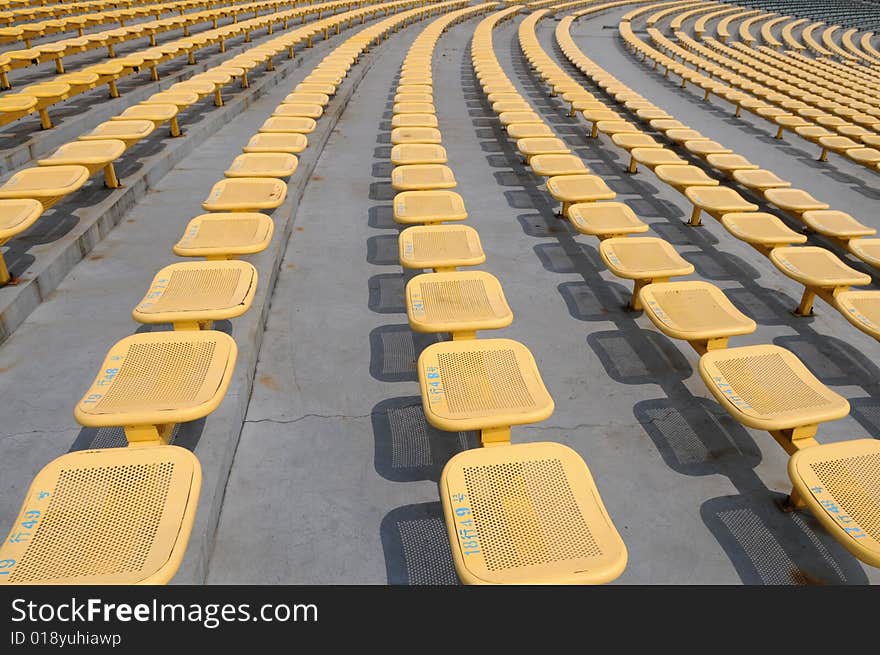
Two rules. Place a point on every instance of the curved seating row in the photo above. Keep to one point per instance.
(124, 515)
(763, 386)
(820, 271)
(490, 495)
(74, 21)
(37, 98)
(31, 191)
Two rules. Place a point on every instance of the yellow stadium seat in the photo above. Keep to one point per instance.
(225, 235)
(716, 201)
(94, 155)
(838, 144)
(413, 97)
(510, 105)
(245, 194)
(422, 177)
(530, 147)
(309, 98)
(645, 260)
(514, 117)
(296, 124)
(434, 206)
(837, 482)
(682, 177)
(440, 247)
(552, 165)
(682, 135)
(729, 163)
(149, 382)
(836, 225)
(821, 272)
(571, 189)
(129, 132)
(414, 120)
(653, 157)
(109, 516)
(868, 250)
(192, 295)
(519, 131)
(418, 153)
(16, 216)
(766, 387)
(704, 148)
(759, 179)
(761, 230)
(482, 384)
(605, 220)
(458, 302)
(157, 114)
(413, 108)
(431, 135)
(695, 311)
(528, 514)
(263, 164)
(795, 201)
(289, 142)
(48, 184)
(307, 110)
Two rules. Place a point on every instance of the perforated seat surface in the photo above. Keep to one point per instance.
(603, 219)
(693, 310)
(418, 177)
(653, 157)
(245, 194)
(682, 177)
(768, 388)
(50, 182)
(759, 179)
(430, 135)
(198, 291)
(111, 516)
(263, 164)
(225, 234)
(86, 153)
(481, 383)
(413, 120)
(309, 110)
(579, 188)
(551, 165)
(455, 302)
(542, 145)
(794, 200)
(155, 113)
(159, 378)
(297, 124)
(528, 514)
(630, 140)
(862, 309)
(418, 153)
(728, 163)
(129, 131)
(816, 267)
(440, 246)
(868, 250)
(760, 228)
(17, 215)
(834, 223)
(290, 142)
(643, 258)
(718, 200)
(428, 207)
(840, 484)
(513, 117)
(519, 131)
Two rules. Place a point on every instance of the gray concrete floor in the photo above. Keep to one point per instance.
(335, 475)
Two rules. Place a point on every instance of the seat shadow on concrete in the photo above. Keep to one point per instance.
(408, 448)
(381, 217)
(631, 355)
(866, 411)
(386, 293)
(382, 191)
(834, 361)
(752, 531)
(573, 257)
(416, 546)
(585, 304)
(394, 350)
(720, 266)
(383, 250)
(185, 435)
(224, 326)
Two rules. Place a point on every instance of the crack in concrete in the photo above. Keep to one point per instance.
(305, 416)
